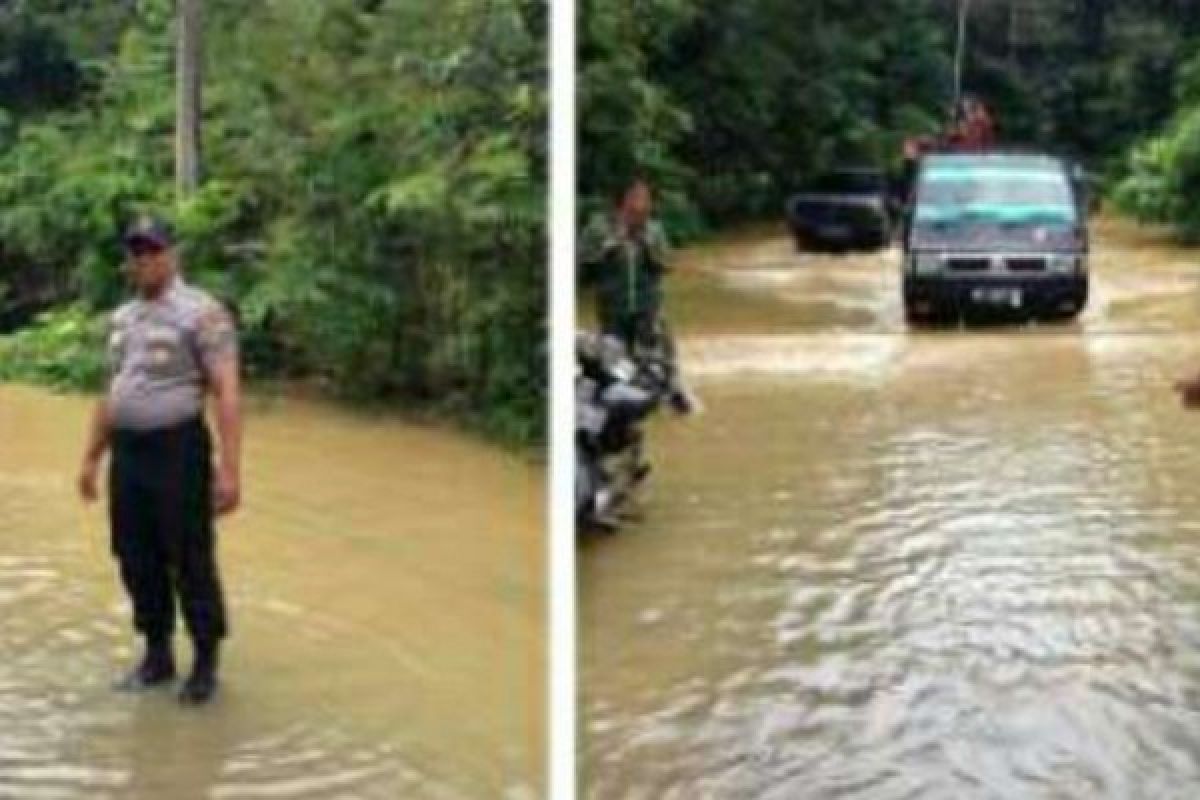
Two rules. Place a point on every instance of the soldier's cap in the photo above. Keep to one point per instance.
(149, 232)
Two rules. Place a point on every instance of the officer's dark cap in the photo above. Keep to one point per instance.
(148, 232)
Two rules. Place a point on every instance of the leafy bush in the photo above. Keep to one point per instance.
(729, 106)
(64, 350)
(373, 202)
(1161, 180)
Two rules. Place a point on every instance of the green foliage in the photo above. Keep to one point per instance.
(727, 106)
(65, 350)
(35, 68)
(1162, 182)
(1081, 77)
(1159, 179)
(373, 204)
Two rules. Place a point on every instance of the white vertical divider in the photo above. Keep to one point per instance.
(562, 596)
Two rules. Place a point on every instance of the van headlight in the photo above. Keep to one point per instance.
(1063, 264)
(924, 264)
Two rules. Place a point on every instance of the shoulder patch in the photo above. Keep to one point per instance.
(195, 300)
(216, 334)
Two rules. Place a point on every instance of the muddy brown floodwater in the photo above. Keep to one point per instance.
(386, 584)
(951, 564)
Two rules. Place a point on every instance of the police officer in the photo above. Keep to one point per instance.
(624, 253)
(170, 348)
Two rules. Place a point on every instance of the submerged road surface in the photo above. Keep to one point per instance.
(892, 564)
(386, 587)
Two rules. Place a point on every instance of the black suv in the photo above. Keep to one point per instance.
(842, 210)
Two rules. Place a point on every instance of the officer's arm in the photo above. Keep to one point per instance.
(100, 426)
(217, 338)
(97, 444)
(227, 396)
(98, 433)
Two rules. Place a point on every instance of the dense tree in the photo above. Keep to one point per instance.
(1114, 82)
(730, 105)
(727, 105)
(1085, 77)
(373, 193)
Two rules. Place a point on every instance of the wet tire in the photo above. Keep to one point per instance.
(919, 319)
(1060, 316)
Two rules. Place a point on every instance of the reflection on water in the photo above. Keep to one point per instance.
(888, 565)
(386, 585)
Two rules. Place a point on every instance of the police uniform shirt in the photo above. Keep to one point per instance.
(161, 352)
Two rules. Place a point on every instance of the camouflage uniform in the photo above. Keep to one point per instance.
(627, 271)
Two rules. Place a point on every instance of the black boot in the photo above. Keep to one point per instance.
(156, 668)
(201, 685)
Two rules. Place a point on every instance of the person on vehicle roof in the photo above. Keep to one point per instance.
(973, 129)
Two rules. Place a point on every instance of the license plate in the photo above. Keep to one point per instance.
(1011, 298)
(834, 231)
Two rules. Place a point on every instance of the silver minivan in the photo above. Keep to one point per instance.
(998, 232)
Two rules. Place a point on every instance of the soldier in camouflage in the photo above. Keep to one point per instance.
(625, 255)
(170, 348)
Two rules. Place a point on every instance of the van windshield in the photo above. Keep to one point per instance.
(958, 193)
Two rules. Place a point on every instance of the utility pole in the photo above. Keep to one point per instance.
(964, 10)
(189, 74)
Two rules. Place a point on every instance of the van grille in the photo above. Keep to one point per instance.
(968, 264)
(1027, 264)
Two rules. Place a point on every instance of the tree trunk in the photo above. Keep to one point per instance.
(190, 80)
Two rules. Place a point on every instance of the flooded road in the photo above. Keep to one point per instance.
(386, 590)
(951, 564)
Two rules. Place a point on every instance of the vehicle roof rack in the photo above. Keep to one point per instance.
(1003, 151)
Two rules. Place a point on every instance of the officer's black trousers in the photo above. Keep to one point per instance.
(161, 509)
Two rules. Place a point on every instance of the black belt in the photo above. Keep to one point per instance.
(133, 437)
